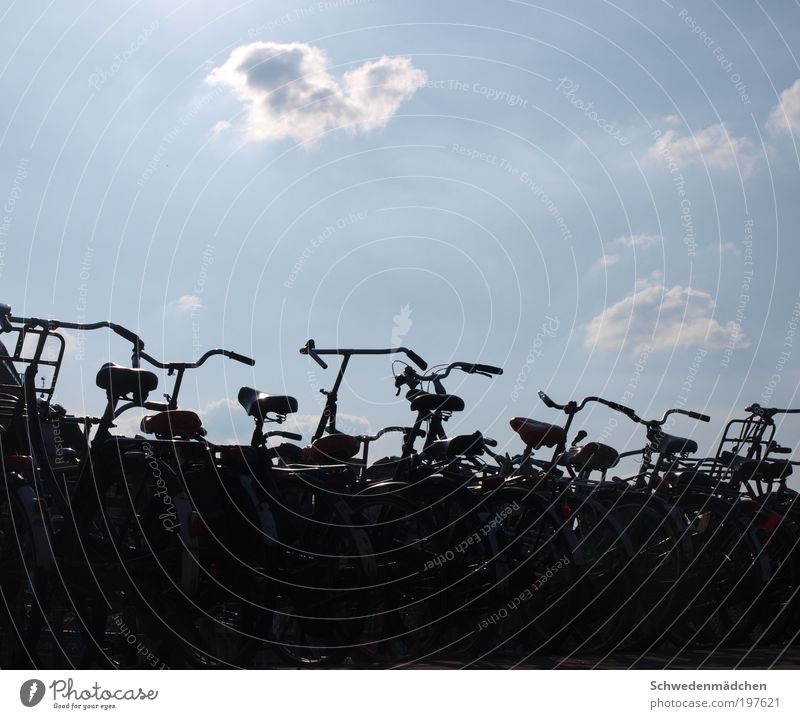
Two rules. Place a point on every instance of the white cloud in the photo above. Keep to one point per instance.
(730, 248)
(605, 261)
(288, 91)
(72, 343)
(785, 116)
(220, 127)
(188, 303)
(306, 424)
(643, 239)
(662, 317)
(712, 145)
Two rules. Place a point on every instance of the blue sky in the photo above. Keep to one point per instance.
(601, 198)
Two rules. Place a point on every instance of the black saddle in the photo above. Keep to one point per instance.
(767, 470)
(689, 479)
(462, 445)
(592, 456)
(258, 404)
(672, 444)
(120, 381)
(428, 402)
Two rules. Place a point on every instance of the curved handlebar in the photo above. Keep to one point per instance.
(172, 366)
(53, 325)
(573, 407)
(411, 375)
(688, 413)
(138, 344)
(385, 430)
(415, 358)
(760, 411)
(285, 435)
(549, 402)
(484, 368)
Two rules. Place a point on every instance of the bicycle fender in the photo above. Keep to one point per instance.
(190, 559)
(39, 526)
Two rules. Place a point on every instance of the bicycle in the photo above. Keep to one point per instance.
(124, 529)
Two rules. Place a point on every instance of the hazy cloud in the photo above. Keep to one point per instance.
(288, 91)
(713, 145)
(306, 424)
(643, 239)
(662, 317)
(785, 116)
(188, 303)
(605, 261)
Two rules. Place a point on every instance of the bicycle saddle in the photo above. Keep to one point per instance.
(173, 423)
(120, 381)
(258, 404)
(764, 469)
(538, 434)
(672, 444)
(594, 456)
(691, 479)
(429, 402)
(331, 449)
(462, 445)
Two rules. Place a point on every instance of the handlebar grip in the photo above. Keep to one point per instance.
(286, 435)
(547, 401)
(126, 334)
(701, 417)
(156, 406)
(311, 352)
(487, 368)
(240, 358)
(417, 360)
(622, 408)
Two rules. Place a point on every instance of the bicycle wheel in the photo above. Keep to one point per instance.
(324, 574)
(405, 602)
(603, 557)
(541, 573)
(661, 554)
(720, 586)
(18, 582)
(469, 563)
(772, 608)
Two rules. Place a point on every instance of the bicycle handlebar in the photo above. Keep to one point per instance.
(311, 350)
(484, 368)
(688, 413)
(385, 430)
(760, 411)
(52, 325)
(172, 366)
(573, 407)
(285, 435)
(467, 367)
(6, 318)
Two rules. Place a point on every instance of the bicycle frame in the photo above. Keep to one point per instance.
(327, 420)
